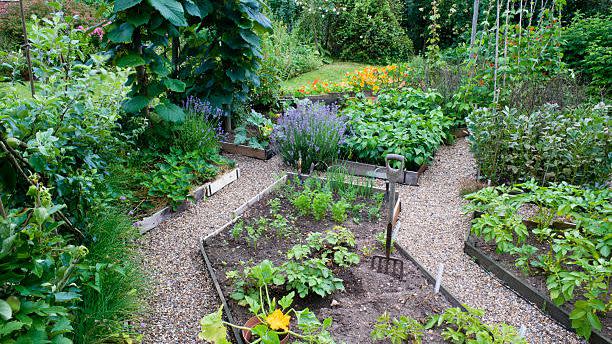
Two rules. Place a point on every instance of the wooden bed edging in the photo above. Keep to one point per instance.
(237, 215)
(379, 172)
(261, 154)
(206, 190)
(526, 291)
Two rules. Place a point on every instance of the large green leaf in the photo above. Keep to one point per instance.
(135, 104)
(132, 59)
(175, 85)
(121, 5)
(192, 9)
(171, 10)
(170, 113)
(138, 19)
(121, 34)
(213, 329)
(250, 37)
(205, 6)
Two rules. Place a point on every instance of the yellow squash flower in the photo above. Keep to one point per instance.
(277, 320)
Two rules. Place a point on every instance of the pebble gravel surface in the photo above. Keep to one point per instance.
(433, 230)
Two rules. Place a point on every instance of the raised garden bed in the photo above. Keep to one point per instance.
(149, 222)
(367, 294)
(531, 288)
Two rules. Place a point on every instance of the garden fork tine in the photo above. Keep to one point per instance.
(383, 263)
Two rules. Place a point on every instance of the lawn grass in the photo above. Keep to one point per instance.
(333, 72)
(22, 89)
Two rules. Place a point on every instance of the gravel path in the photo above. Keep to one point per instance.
(182, 291)
(433, 231)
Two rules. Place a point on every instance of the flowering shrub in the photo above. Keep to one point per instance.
(321, 87)
(377, 78)
(310, 132)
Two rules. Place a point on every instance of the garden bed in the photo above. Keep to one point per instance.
(530, 287)
(149, 222)
(367, 294)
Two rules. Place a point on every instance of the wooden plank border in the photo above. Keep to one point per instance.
(150, 222)
(261, 154)
(379, 172)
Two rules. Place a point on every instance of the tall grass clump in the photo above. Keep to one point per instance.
(105, 314)
(311, 133)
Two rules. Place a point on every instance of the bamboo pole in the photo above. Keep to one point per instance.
(506, 42)
(26, 46)
(495, 95)
(474, 25)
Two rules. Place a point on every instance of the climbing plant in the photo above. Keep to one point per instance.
(217, 60)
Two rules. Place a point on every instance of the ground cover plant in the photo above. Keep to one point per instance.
(570, 263)
(293, 242)
(408, 122)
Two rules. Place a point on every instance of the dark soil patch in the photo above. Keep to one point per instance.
(538, 281)
(368, 294)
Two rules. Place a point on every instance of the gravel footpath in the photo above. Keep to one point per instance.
(181, 291)
(433, 231)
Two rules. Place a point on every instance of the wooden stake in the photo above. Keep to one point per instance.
(495, 94)
(474, 27)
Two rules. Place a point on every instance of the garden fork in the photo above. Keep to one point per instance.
(387, 264)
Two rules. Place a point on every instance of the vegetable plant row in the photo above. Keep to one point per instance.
(408, 122)
(572, 263)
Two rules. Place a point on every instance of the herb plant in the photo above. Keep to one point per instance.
(320, 204)
(255, 131)
(339, 211)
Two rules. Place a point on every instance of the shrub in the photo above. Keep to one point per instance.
(311, 133)
(368, 31)
(548, 145)
(408, 122)
(588, 48)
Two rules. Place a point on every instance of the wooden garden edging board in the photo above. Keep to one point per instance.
(523, 288)
(206, 190)
(261, 154)
(237, 215)
(374, 171)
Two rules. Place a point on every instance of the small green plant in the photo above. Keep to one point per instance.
(255, 131)
(275, 205)
(303, 202)
(338, 211)
(398, 331)
(312, 275)
(373, 213)
(237, 230)
(281, 226)
(381, 238)
(320, 204)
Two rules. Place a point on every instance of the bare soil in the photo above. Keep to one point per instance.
(368, 293)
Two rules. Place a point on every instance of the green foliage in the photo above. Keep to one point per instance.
(303, 202)
(399, 330)
(320, 204)
(175, 176)
(575, 261)
(408, 122)
(460, 326)
(69, 127)
(254, 130)
(42, 273)
(306, 270)
(103, 313)
(338, 211)
(548, 145)
(588, 48)
(368, 31)
(196, 133)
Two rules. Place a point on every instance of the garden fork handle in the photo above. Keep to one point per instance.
(392, 176)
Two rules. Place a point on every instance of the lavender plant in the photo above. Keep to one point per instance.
(310, 132)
